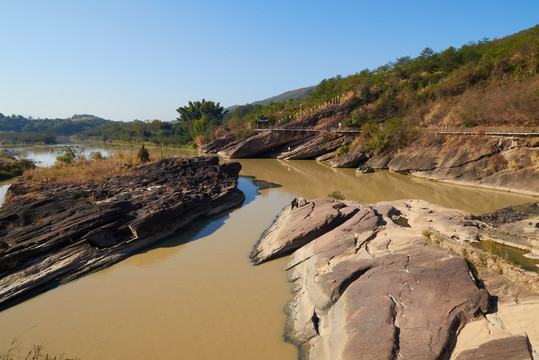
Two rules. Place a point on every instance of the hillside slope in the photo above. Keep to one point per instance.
(395, 116)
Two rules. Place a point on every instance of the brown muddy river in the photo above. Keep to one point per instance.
(197, 296)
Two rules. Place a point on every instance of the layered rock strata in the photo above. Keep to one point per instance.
(317, 146)
(497, 162)
(368, 285)
(52, 233)
(503, 162)
(269, 143)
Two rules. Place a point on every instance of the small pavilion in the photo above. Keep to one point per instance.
(261, 121)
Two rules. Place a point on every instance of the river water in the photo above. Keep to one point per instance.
(197, 296)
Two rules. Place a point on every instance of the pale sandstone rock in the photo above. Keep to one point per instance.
(368, 286)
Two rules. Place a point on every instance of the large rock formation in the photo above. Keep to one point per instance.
(49, 233)
(507, 163)
(369, 285)
(319, 145)
(351, 159)
(220, 144)
(264, 143)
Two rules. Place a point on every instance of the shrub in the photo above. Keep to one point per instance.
(143, 154)
(337, 195)
(68, 154)
(96, 155)
(15, 168)
(344, 149)
(387, 137)
(243, 133)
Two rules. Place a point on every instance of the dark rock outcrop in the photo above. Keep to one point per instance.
(319, 145)
(219, 144)
(351, 159)
(364, 170)
(511, 214)
(54, 232)
(264, 143)
(366, 284)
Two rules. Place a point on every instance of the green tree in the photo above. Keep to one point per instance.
(199, 118)
(68, 154)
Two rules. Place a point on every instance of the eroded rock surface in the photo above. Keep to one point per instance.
(263, 143)
(317, 146)
(505, 163)
(53, 232)
(367, 285)
(509, 348)
(353, 158)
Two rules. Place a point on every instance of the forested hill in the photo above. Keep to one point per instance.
(69, 126)
(485, 83)
(19, 129)
(292, 95)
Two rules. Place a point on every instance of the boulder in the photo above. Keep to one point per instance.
(364, 170)
(351, 159)
(265, 142)
(219, 144)
(380, 161)
(318, 146)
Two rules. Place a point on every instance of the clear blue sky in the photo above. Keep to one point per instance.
(126, 60)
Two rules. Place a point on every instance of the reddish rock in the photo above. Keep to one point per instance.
(369, 287)
(265, 142)
(351, 159)
(511, 348)
(319, 145)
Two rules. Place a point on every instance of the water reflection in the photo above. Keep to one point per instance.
(203, 299)
(512, 254)
(201, 229)
(4, 185)
(200, 300)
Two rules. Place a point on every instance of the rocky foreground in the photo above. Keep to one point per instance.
(390, 281)
(55, 233)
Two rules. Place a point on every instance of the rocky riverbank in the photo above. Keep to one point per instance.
(11, 167)
(52, 233)
(498, 160)
(392, 280)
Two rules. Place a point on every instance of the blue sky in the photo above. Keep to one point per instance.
(126, 60)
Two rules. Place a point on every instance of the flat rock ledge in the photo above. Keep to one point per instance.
(367, 284)
(56, 233)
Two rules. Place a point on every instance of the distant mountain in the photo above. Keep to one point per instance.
(69, 126)
(292, 94)
(295, 95)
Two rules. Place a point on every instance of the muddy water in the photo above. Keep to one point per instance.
(197, 296)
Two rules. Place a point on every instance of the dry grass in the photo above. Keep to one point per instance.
(37, 352)
(502, 104)
(535, 160)
(84, 171)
